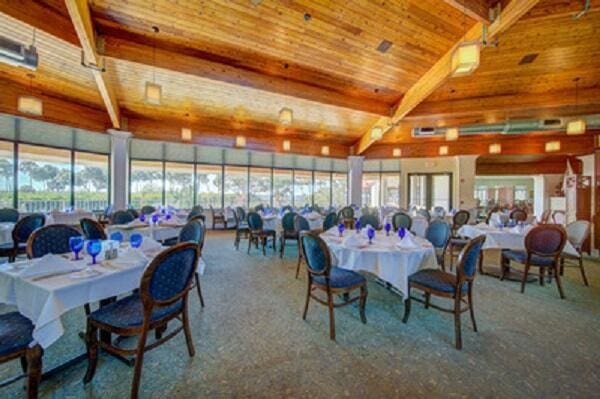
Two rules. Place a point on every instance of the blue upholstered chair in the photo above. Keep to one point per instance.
(346, 216)
(289, 232)
(259, 208)
(194, 231)
(20, 234)
(241, 226)
(447, 285)
(300, 224)
(258, 233)
(9, 215)
(371, 219)
(401, 219)
(15, 336)
(162, 297)
(196, 211)
(543, 247)
(92, 230)
(121, 217)
(218, 217)
(334, 281)
(286, 208)
(53, 239)
(459, 219)
(438, 234)
(148, 210)
(578, 232)
(134, 214)
(330, 221)
(425, 213)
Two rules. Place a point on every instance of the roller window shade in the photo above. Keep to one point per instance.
(264, 159)
(212, 155)
(46, 134)
(304, 162)
(236, 157)
(178, 152)
(324, 164)
(390, 165)
(7, 127)
(340, 165)
(146, 149)
(283, 161)
(92, 142)
(372, 165)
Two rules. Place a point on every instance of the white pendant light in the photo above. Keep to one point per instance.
(552, 146)
(186, 134)
(325, 150)
(495, 148)
(578, 125)
(153, 91)
(286, 116)
(30, 105)
(376, 133)
(397, 152)
(240, 141)
(452, 134)
(287, 145)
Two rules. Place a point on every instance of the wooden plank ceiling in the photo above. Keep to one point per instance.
(227, 67)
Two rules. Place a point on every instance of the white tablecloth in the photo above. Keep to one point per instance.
(419, 225)
(70, 218)
(505, 238)
(158, 233)
(6, 232)
(273, 222)
(382, 258)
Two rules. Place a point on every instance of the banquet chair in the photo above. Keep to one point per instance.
(401, 219)
(300, 224)
(134, 214)
(439, 212)
(518, 215)
(334, 281)
(438, 234)
(371, 219)
(459, 219)
(559, 217)
(218, 217)
(9, 215)
(330, 221)
(121, 217)
(543, 248)
(258, 233)
(241, 228)
(454, 286)
(241, 213)
(148, 210)
(15, 337)
(20, 234)
(286, 208)
(259, 208)
(577, 234)
(545, 218)
(162, 297)
(52, 239)
(195, 211)
(346, 216)
(289, 232)
(425, 213)
(195, 232)
(92, 230)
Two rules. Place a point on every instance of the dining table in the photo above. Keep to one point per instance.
(159, 232)
(273, 221)
(6, 229)
(388, 257)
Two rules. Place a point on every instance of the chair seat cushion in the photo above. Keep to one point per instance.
(436, 279)
(458, 242)
(15, 332)
(129, 312)
(243, 225)
(170, 241)
(521, 257)
(290, 234)
(341, 278)
(264, 232)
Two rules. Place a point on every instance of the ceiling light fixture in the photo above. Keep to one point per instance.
(495, 148)
(397, 152)
(443, 150)
(465, 58)
(325, 150)
(452, 134)
(153, 92)
(287, 145)
(552, 146)
(286, 116)
(578, 125)
(186, 134)
(29, 104)
(240, 141)
(376, 133)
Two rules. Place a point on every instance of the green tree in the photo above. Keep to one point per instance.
(6, 172)
(29, 168)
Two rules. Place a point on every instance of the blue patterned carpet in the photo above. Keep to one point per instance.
(251, 342)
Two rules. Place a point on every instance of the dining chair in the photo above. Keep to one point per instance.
(543, 247)
(438, 234)
(92, 230)
(577, 234)
(148, 210)
(330, 221)
(425, 213)
(195, 211)
(259, 208)
(52, 239)
(9, 215)
(459, 219)
(258, 233)
(134, 214)
(346, 216)
(195, 232)
(289, 232)
(286, 208)
(162, 297)
(439, 212)
(559, 217)
(518, 215)
(121, 217)
(20, 234)
(447, 285)
(218, 217)
(371, 219)
(300, 225)
(334, 281)
(241, 228)
(545, 218)
(15, 338)
(401, 219)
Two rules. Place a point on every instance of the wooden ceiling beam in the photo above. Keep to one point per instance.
(476, 9)
(79, 12)
(440, 71)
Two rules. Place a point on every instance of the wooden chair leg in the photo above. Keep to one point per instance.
(471, 310)
(362, 304)
(139, 360)
(264, 244)
(542, 273)
(236, 243)
(480, 264)
(558, 283)
(281, 246)
(406, 306)
(34, 370)
(199, 289)
(186, 330)
(457, 328)
(23, 360)
(307, 299)
(585, 281)
(427, 298)
(91, 342)
(524, 279)
(331, 316)
(562, 266)
(249, 243)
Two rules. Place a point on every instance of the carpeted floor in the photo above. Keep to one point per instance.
(251, 342)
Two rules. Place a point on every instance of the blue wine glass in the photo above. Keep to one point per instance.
(387, 228)
(357, 226)
(93, 248)
(168, 216)
(76, 245)
(401, 232)
(142, 218)
(370, 234)
(136, 240)
(341, 229)
(155, 219)
(117, 236)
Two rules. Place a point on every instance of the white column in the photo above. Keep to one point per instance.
(465, 198)
(355, 172)
(119, 168)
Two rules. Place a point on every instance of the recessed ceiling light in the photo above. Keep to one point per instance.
(528, 59)
(452, 134)
(286, 145)
(443, 150)
(495, 148)
(552, 146)
(30, 105)
(576, 126)
(240, 141)
(325, 150)
(186, 134)
(384, 46)
(397, 152)
(255, 2)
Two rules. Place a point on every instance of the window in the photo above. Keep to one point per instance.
(322, 189)
(302, 188)
(430, 190)
(209, 183)
(7, 183)
(146, 183)
(91, 181)
(236, 186)
(44, 179)
(283, 187)
(440, 191)
(179, 184)
(260, 186)
(417, 196)
(339, 189)
(370, 189)
(390, 189)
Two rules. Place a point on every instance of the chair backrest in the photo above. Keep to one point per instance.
(259, 207)
(287, 222)
(301, 224)
(559, 217)
(255, 222)
(9, 215)
(194, 231)
(347, 212)
(148, 209)
(286, 208)
(371, 219)
(401, 219)
(439, 211)
(545, 218)
(195, 211)
(92, 230)
(490, 213)
(330, 221)
(438, 233)
(460, 218)
(121, 217)
(518, 215)
(546, 240)
(425, 213)
(134, 214)
(316, 253)
(241, 213)
(24, 227)
(577, 232)
(468, 258)
(53, 239)
(169, 276)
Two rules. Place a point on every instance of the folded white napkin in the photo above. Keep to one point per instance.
(136, 223)
(130, 256)
(353, 240)
(49, 264)
(520, 229)
(408, 242)
(149, 244)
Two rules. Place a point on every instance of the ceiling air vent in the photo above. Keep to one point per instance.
(18, 54)
(556, 123)
(384, 46)
(426, 132)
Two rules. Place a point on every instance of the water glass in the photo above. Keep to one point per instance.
(370, 234)
(357, 226)
(401, 232)
(93, 248)
(117, 236)
(387, 228)
(142, 218)
(76, 245)
(341, 227)
(136, 240)
(155, 219)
